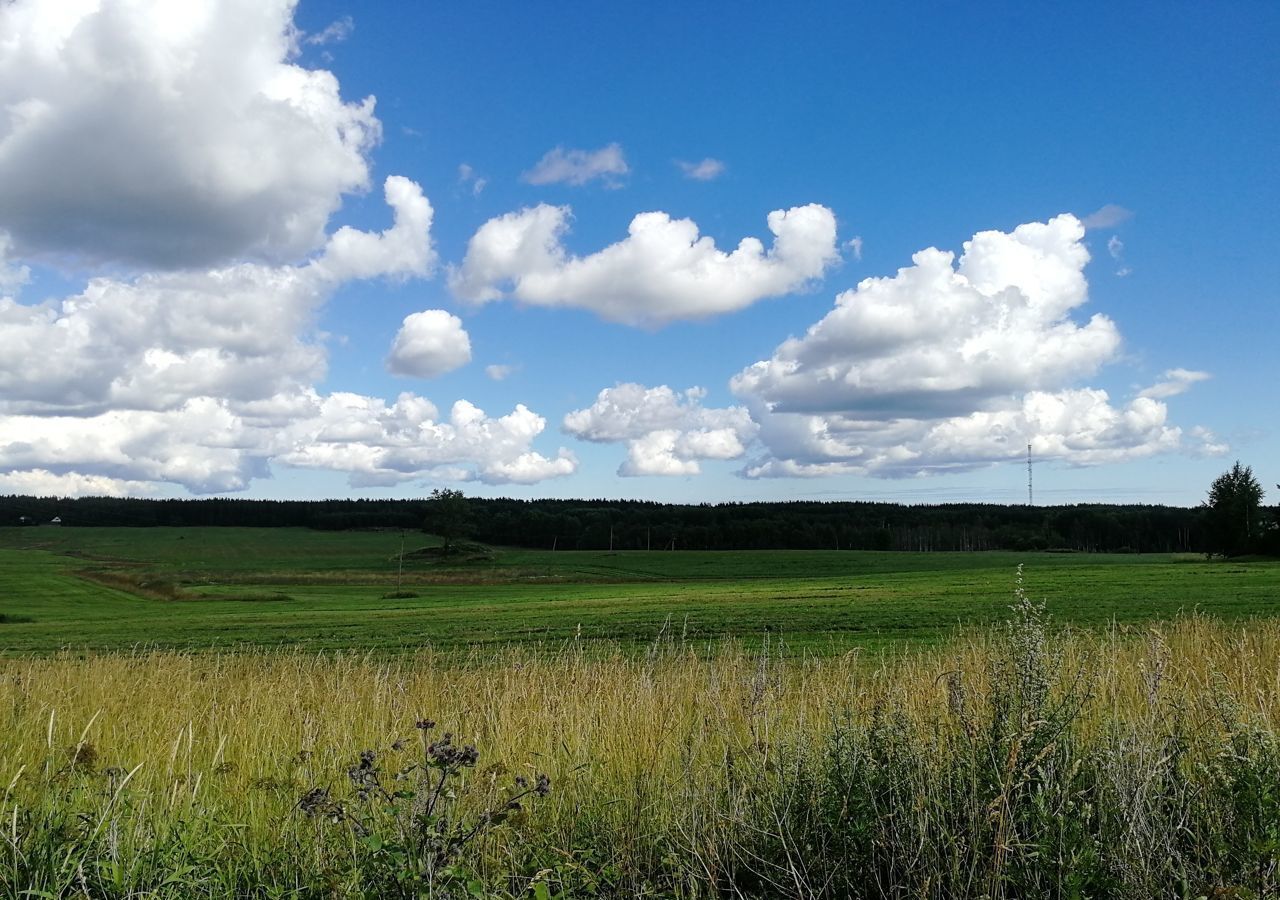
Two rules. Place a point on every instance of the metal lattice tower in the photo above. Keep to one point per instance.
(1030, 497)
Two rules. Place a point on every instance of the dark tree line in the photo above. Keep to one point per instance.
(642, 525)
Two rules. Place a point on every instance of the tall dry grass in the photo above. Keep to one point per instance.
(1008, 764)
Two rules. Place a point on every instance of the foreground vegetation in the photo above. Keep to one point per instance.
(118, 588)
(1015, 762)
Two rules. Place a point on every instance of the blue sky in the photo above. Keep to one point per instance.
(329, 250)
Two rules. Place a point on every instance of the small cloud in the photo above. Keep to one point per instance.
(1176, 381)
(854, 246)
(578, 167)
(1109, 216)
(410, 132)
(335, 33)
(1207, 443)
(707, 170)
(430, 343)
(499, 372)
(467, 175)
(1115, 247)
(12, 275)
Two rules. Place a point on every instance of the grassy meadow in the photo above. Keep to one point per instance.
(250, 713)
(183, 588)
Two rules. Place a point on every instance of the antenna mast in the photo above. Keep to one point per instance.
(1030, 497)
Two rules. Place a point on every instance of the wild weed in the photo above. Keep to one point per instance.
(412, 825)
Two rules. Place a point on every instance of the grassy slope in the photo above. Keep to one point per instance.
(325, 590)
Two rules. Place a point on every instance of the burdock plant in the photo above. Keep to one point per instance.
(410, 825)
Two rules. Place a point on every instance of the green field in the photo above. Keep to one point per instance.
(104, 588)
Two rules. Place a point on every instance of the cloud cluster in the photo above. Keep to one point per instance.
(579, 167)
(941, 338)
(663, 271)
(170, 135)
(666, 433)
(211, 445)
(382, 445)
(242, 332)
(203, 378)
(184, 140)
(181, 152)
(43, 483)
(954, 364)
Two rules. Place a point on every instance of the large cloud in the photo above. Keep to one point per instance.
(662, 271)
(170, 134)
(666, 432)
(203, 378)
(954, 364)
(241, 332)
(944, 339)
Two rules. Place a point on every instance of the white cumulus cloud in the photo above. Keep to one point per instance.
(204, 378)
(210, 445)
(579, 167)
(663, 271)
(170, 134)
(43, 483)
(666, 432)
(428, 344)
(946, 338)
(241, 332)
(403, 250)
(951, 364)
(377, 444)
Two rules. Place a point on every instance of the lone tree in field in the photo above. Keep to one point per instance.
(448, 515)
(1234, 511)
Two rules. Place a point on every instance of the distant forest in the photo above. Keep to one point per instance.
(641, 525)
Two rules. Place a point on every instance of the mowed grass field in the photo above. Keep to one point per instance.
(118, 588)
